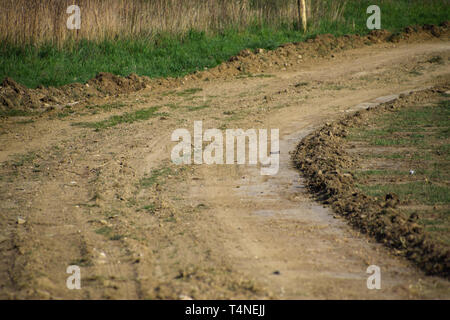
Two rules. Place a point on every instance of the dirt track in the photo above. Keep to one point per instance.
(212, 231)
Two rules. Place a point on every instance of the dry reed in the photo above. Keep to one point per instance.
(39, 21)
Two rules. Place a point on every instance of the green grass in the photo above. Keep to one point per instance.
(409, 127)
(22, 159)
(176, 55)
(365, 173)
(16, 113)
(108, 232)
(396, 142)
(116, 237)
(151, 208)
(250, 75)
(437, 223)
(82, 262)
(188, 92)
(104, 231)
(422, 133)
(196, 108)
(129, 117)
(155, 177)
(67, 112)
(433, 171)
(25, 121)
(421, 192)
(436, 59)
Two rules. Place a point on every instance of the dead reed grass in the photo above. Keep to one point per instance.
(41, 21)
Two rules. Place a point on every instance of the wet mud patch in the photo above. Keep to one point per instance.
(379, 178)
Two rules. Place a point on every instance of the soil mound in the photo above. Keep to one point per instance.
(17, 97)
(14, 96)
(111, 84)
(290, 54)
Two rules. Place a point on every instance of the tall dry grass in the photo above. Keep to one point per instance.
(39, 21)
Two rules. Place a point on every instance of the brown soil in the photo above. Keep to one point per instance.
(322, 157)
(16, 96)
(92, 198)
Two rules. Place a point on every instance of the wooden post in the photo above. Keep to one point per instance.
(302, 14)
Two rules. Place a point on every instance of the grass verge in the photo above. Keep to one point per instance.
(421, 178)
(165, 54)
(129, 117)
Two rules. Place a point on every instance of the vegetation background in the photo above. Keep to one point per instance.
(160, 38)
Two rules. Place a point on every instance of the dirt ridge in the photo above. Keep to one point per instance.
(14, 96)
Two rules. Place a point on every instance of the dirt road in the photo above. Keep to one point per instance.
(140, 227)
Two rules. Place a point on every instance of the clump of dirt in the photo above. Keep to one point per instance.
(17, 97)
(322, 158)
(111, 84)
(14, 96)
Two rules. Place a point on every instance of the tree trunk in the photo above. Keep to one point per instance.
(302, 14)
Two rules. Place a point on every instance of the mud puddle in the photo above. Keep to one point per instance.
(287, 189)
